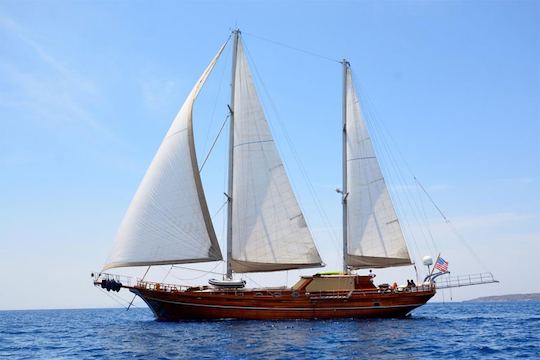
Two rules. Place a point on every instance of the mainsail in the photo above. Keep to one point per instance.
(168, 220)
(268, 228)
(374, 236)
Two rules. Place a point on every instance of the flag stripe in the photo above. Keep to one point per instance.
(441, 264)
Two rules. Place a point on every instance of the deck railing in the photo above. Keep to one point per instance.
(149, 285)
(345, 294)
(272, 292)
(446, 282)
(124, 280)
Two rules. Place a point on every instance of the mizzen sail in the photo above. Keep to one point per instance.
(168, 220)
(268, 228)
(374, 235)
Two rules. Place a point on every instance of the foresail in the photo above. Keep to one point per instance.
(269, 230)
(168, 220)
(375, 238)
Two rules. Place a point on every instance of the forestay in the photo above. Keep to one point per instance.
(168, 221)
(269, 230)
(375, 238)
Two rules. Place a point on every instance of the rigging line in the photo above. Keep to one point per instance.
(168, 272)
(192, 269)
(296, 157)
(146, 272)
(212, 117)
(385, 130)
(447, 221)
(134, 296)
(221, 208)
(293, 48)
(251, 166)
(214, 143)
(224, 219)
(395, 158)
(406, 197)
(193, 278)
(392, 160)
(464, 242)
(205, 273)
(425, 217)
(452, 227)
(421, 201)
(400, 159)
(253, 281)
(431, 199)
(116, 299)
(393, 173)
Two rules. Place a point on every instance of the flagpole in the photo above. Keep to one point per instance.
(433, 269)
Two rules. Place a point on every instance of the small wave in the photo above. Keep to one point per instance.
(437, 330)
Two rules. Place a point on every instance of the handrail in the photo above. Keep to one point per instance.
(150, 285)
(123, 279)
(348, 293)
(465, 280)
(157, 286)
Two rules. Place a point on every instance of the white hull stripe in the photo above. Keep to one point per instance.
(281, 308)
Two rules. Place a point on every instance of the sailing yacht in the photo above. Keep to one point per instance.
(168, 222)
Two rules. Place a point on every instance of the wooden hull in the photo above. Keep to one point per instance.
(268, 304)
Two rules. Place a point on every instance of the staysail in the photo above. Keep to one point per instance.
(374, 236)
(269, 232)
(168, 220)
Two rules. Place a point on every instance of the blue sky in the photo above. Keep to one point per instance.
(88, 89)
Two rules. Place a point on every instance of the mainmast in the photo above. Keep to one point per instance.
(344, 192)
(236, 36)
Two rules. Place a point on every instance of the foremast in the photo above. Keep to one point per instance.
(168, 220)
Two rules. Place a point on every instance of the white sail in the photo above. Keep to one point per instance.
(269, 230)
(168, 221)
(374, 236)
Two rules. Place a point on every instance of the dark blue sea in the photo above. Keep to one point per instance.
(451, 330)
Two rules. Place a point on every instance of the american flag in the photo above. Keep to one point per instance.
(441, 264)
